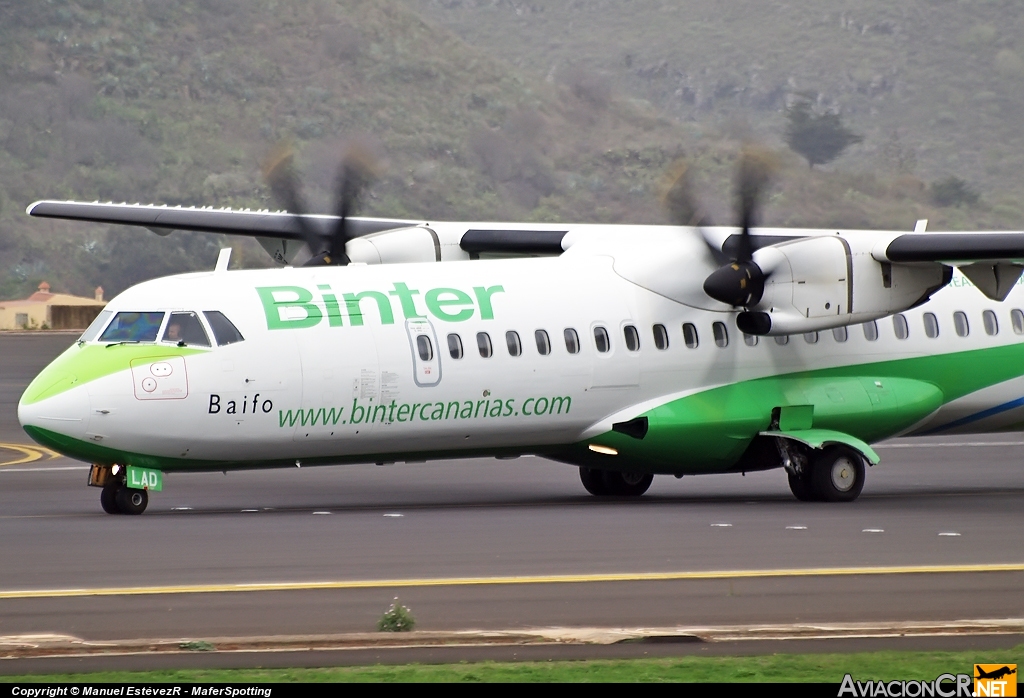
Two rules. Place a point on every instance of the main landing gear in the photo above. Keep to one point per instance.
(610, 483)
(116, 497)
(833, 474)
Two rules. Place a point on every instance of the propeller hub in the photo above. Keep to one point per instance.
(736, 284)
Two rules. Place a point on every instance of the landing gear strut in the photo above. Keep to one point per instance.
(115, 497)
(610, 483)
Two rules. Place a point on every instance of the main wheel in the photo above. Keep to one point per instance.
(131, 501)
(838, 474)
(627, 484)
(593, 481)
(801, 487)
(108, 498)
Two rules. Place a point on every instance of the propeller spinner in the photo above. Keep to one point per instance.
(327, 246)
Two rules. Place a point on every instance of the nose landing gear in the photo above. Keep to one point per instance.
(115, 497)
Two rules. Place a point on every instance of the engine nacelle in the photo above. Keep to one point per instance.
(817, 283)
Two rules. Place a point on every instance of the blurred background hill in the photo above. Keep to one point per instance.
(494, 110)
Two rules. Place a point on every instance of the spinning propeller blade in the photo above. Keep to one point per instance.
(740, 283)
(356, 172)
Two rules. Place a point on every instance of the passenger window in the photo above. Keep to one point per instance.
(455, 346)
(515, 347)
(133, 327)
(572, 340)
(870, 330)
(811, 337)
(483, 343)
(840, 334)
(660, 337)
(690, 335)
(991, 323)
(184, 329)
(750, 339)
(95, 326)
(632, 338)
(224, 331)
(424, 347)
(931, 325)
(721, 334)
(782, 340)
(960, 324)
(543, 343)
(1017, 320)
(899, 324)
(601, 339)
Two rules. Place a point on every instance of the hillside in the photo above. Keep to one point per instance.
(945, 76)
(177, 102)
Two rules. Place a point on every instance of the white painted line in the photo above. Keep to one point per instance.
(250, 511)
(952, 534)
(796, 528)
(873, 530)
(954, 444)
(43, 470)
(721, 525)
(321, 513)
(394, 516)
(181, 508)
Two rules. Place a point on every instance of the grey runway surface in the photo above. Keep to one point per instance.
(940, 503)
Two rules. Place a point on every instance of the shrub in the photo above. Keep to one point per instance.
(953, 191)
(397, 619)
(820, 138)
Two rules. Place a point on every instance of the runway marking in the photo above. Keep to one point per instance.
(29, 454)
(952, 444)
(511, 580)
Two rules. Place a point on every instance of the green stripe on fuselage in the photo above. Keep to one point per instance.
(710, 430)
(82, 363)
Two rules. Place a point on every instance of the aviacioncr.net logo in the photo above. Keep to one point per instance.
(944, 686)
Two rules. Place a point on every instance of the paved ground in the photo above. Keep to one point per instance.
(938, 503)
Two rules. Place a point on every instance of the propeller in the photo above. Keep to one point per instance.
(355, 173)
(740, 282)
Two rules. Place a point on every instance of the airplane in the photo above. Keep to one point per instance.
(626, 351)
(995, 673)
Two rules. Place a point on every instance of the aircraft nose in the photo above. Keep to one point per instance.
(65, 413)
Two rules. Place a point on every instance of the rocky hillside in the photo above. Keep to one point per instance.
(177, 102)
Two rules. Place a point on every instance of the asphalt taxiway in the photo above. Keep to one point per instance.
(937, 536)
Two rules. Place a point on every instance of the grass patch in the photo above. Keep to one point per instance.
(799, 668)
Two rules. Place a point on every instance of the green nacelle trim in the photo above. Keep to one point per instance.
(817, 438)
(80, 364)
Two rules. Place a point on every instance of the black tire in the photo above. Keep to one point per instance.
(801, 487)
(593, 481)
(108, 499)
(838, 474)
(131, 501)
(627, 484)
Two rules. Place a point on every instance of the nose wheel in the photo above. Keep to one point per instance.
(115, 498)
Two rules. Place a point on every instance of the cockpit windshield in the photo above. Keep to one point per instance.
(96, 325)
(185, 329)
(133, 327)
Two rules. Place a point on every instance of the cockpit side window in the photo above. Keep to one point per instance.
(97, 325)
(133, 327)
(184, 329)
(223, 330)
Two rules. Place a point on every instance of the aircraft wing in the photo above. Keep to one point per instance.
(957, 248)
(267, 224)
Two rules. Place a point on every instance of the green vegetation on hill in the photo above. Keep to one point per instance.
(177, 102)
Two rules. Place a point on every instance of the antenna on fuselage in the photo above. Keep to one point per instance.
(223, 259)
